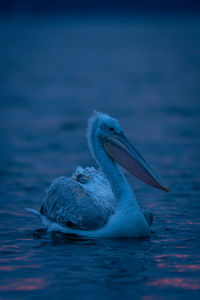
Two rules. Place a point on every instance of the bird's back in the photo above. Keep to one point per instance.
(84, 201)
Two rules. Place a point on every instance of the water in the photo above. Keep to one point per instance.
(54, 73)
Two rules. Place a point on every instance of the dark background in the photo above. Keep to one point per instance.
(138, 61)
(89, 6)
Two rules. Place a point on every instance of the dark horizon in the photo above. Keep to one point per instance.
(89, 6)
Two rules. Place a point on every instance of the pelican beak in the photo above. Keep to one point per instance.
(121, 151)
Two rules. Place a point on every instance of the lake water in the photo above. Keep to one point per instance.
(54, 73)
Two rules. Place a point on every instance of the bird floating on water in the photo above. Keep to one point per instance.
(101, 203)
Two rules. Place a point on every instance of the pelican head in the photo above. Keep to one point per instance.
(106, 133)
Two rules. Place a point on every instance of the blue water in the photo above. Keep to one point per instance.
(54, 73)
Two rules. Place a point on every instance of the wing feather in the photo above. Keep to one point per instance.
(68, 203)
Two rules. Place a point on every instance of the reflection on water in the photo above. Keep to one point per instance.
(180, 268)
(55, 73)
(15, 267)
(185, 283)
(24, 284)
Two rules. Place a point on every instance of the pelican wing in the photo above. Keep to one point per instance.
(68, 203)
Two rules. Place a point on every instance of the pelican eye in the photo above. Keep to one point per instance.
(112, 129)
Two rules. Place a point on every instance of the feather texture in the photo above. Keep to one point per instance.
(83, 201)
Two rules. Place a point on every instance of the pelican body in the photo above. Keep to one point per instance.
(101, 203)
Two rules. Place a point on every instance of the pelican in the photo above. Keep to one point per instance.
(101, 203)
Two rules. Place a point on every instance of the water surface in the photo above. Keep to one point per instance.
(54, 73)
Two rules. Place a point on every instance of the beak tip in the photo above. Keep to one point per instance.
(166, 189)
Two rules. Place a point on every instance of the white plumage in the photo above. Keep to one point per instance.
(101, 203)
